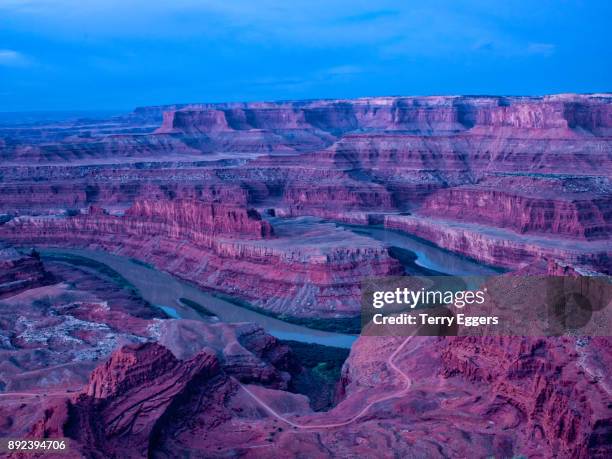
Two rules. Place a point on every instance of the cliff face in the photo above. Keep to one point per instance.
(131, 394)
(556, 403)
(502, 248)
(51, 189)
(200, 191)
(19, 272)
(315, 270)
(53, 335)
(450, 396)
(410, 113)
(505, 396)
(532, 165)
(141, 398)
(569, 218)
(210, 219)
(190, 220)
(132, 366)
(501, 179)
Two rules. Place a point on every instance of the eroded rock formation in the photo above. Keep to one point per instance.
(537, 167)
(310, 270)
(19, 272)
(454, 397)
(232, 197)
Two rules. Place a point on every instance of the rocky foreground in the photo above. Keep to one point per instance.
(438, 398)
(218, 194)
(84, 358)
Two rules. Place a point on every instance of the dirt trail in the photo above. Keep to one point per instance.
(407, 383)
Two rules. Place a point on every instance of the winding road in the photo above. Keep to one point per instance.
(390, 364)
(407, 383)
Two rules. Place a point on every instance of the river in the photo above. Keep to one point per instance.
(428, 256)
(164, 290)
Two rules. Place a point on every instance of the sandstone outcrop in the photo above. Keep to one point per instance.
(535, 166)
(241, 198)
(311, 270)
(463, 396)
(502, 247)
(560, 406)
(19, 272)
(419, 114)
(523, 213)
(120, 410)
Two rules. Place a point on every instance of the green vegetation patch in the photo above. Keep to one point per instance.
(322, 368)
(327, 360)
(348, 325)
(138, 262)
(197, 307)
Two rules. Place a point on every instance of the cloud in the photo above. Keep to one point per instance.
(12, 58)
(394, 29)
(309, 23)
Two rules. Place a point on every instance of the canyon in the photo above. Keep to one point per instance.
(275, 206)
(453, 405)
(535, 171)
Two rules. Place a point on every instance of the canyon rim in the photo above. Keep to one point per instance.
(186, 280)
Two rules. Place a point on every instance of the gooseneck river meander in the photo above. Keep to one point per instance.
(165, 290)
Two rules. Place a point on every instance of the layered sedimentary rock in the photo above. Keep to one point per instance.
(198, 219)
(531, 165)
(144, 379)
(192, 221)
(310, 270)
(53, 189)
(133, 399)
(503, 180)
(73, 312)
(501, 247)
(441, 397)
(55, 331)
(521, 182)
(142, 393)
(57, 325)
(522, 204)
(399, 113)
(558, 407)
(529, 405)
(19, 272)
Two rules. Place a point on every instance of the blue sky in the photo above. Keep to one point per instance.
(118, 54)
